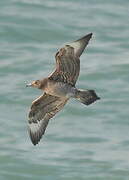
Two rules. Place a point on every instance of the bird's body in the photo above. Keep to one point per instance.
(58, 88)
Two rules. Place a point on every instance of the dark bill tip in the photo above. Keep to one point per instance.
(28, 85)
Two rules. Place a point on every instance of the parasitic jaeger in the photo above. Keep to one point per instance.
(58, 88)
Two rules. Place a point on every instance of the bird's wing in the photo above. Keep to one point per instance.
(42, 109)
(68, 62)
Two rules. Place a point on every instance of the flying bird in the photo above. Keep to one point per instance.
(58, 88)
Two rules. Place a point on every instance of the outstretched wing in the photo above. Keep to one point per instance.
(42, 109)
(68, 62)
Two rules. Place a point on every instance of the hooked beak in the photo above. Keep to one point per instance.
(28, 85)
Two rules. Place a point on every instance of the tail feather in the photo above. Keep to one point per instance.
(87, 97)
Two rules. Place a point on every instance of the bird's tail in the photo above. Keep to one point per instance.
(86, 97)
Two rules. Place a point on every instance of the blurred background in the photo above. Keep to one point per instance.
(81, 143)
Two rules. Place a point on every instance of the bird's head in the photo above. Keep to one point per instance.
(35, 84)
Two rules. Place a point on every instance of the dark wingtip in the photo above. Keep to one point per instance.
(86, 37)
(33, 138)
(82, 43)
(90, 35)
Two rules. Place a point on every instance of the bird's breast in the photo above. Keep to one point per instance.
(59, 89)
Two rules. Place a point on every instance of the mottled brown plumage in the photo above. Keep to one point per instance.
(59, 86)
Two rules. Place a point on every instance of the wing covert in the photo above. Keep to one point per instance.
(67, 66)
(68, 62)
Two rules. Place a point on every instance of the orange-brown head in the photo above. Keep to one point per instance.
(40, 84)
(35, 84)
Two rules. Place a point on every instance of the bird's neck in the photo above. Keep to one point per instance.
(43, 83)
